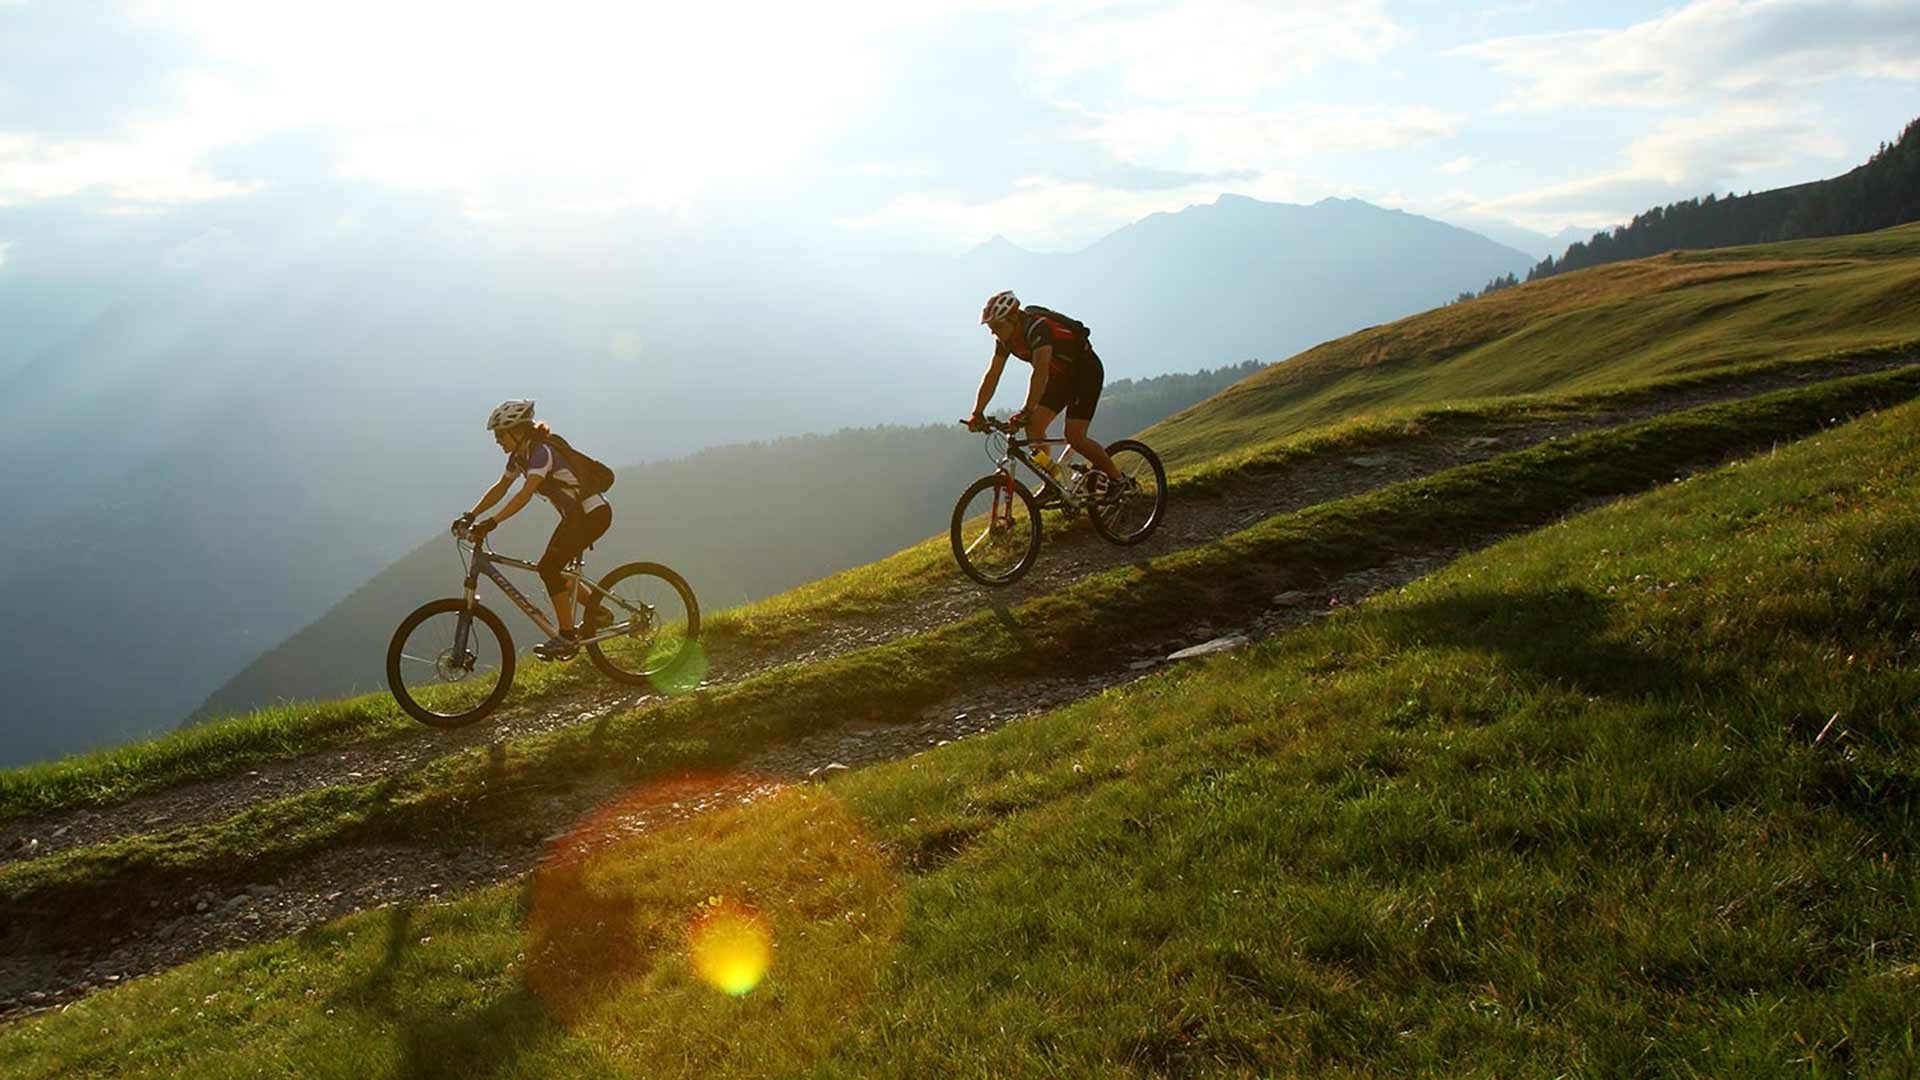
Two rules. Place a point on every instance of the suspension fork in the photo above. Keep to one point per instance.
(1003, 502)
(463, 623)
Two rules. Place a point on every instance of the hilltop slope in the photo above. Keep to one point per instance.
(1610, 326)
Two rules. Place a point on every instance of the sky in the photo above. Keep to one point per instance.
(928, 126)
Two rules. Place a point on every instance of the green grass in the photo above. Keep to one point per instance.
(1591, 330)
(464, 797)
(1634, 794)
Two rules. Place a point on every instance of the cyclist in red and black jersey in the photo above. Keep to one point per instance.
(1067, 374)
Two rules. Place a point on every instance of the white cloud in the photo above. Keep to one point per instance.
(1462, 164)
(1710, 47)
(154, 162)
(582, 105)
(1210, 50)
(1214, 139)
(1680, 159)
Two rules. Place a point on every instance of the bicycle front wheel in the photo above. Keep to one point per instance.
(996, 530)
(659, 619)
(1128, 513)
(441, 680)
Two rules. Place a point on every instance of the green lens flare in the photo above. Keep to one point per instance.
(686, 674)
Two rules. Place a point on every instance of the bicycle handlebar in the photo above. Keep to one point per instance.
(993, 424)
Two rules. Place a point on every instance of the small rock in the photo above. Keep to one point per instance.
(201, 906)
(1217, 645)
(1484, 440)
(1370, 461)
(1142, 665)
(263, 890)
(1292, 597)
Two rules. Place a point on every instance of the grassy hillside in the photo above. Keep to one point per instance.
(1607, 327)
(1631, 795)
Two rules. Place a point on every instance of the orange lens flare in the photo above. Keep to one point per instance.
(730, 945)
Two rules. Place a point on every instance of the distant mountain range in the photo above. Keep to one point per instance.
(244, 430)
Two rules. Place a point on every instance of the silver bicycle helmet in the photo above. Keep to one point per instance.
(999, 305)
(510, 412)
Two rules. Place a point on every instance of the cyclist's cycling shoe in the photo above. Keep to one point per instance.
(556, 648)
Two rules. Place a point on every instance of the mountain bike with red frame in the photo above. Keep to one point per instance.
(996, 523)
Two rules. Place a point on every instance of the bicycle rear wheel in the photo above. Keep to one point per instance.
(660, 619)
(442, 685)
(1130, 513)
(996, 530)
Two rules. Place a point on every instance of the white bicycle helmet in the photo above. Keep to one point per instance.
(999, 305)
(510, 412)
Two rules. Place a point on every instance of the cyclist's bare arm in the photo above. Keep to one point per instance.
(492, 496)
(990, 382)
(519, 500)
(1037, 387)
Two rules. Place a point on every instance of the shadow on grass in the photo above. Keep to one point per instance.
(579, 949)
(1561, 635)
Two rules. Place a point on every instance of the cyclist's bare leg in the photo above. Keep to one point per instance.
(1037, 421)
(563, 610)
(1078, 438)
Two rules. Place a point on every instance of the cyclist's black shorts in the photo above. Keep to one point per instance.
(576, 533)
(1076, 388)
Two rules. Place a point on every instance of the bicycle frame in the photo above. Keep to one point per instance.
(489, 563)
(1017, 451)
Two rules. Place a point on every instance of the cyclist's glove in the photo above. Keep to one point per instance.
(480, 529)
(976, 422)
(462, 524)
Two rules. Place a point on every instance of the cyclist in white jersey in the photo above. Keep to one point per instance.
(584, 516)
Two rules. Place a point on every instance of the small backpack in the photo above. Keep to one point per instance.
(595, 478)
(1079, 328)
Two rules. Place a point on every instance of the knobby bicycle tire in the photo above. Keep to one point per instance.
(956, 535)
(1107, 528)
(396, 652)
(654, 663)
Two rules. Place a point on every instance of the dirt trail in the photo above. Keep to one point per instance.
(39, 969)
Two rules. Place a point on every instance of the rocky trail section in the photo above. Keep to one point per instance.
(48, 960)
(1068, 554)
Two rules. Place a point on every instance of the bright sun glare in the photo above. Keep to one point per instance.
(578, 105)
(730, 945)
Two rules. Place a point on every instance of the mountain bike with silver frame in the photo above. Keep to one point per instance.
(996, 524)
(451, 661)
